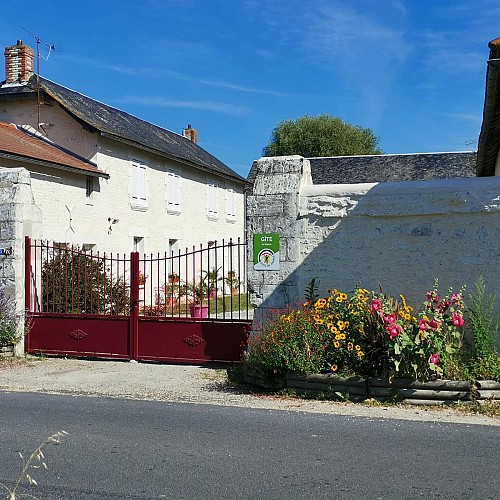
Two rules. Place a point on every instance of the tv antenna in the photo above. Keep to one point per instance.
(49, 47)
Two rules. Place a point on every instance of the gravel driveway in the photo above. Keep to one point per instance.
(186, 384)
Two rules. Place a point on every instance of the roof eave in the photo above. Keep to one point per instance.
(59, 166)
(489, 137)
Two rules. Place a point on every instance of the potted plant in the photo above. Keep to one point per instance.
(199, 291)
(212, 278)
(233, 283)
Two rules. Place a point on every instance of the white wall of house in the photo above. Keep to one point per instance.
(159, 204)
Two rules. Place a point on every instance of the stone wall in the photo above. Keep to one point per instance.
(396, 235)
(19, 217)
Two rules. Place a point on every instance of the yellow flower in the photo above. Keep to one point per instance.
(334, 368)
(336, 345)
(319, 321)
(357, 347)
(343, 296)
(339, 300)
(341, 336)
(320, 303)
(350, 346)
(333, 329)
(360, 354)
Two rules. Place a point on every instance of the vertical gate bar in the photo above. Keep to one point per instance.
(134, 305)
(72, 281)
(85, 282)
(105, 282)
(55, 265)
(80, 278)
(111, 284)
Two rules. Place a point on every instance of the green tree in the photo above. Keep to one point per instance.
(323, 135)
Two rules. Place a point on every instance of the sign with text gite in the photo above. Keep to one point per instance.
(266, 252)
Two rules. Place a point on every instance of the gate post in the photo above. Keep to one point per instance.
(134, 305)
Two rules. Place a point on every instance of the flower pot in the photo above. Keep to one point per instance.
(198, 311)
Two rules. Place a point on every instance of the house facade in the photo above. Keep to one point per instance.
(138, 186)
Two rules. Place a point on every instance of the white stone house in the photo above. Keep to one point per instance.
(136, 186)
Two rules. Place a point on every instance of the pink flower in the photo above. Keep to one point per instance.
(456, 298)
(432, 296)
(434, 324)
(422, 325)
(390, 319)
(434, 359)
(456, 319)
(393, 330)
(443, 306)
(375, 305)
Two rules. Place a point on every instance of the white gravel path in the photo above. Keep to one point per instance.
(188, 384)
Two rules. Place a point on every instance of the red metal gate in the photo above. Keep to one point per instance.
(190, 307)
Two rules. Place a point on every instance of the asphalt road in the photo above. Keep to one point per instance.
(118, 448)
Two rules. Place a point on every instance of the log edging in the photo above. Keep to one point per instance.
(360, 388)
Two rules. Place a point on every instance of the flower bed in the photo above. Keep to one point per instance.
(379, 339)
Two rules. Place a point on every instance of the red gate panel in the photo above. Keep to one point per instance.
(100, 336)
(163, 339)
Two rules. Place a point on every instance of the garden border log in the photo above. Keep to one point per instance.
(357, 388)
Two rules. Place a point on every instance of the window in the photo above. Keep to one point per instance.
(139, 200)
(230, 205)
(212, 201)
(138, 244)
(173, 192)
(89, 186)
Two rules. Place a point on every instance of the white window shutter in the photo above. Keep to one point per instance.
(173, 190)
(139, 184)
(212, 193)
(230, 203)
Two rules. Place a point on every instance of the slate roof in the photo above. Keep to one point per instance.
(390, 168)
(489, 138)
(20, 144)
(123, 127)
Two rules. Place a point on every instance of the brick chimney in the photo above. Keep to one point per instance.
(18, 63)
(190, 133)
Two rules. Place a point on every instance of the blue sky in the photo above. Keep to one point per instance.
(413, 71)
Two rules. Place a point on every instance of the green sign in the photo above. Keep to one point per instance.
(266, 252)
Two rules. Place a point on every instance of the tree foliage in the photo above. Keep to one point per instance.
(73, 282)
(323, 135)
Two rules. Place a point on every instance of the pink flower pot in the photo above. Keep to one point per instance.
(198, 311)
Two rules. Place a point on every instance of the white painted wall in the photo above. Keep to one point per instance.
(399, 235)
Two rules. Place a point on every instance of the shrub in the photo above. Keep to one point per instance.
(483, 325)
(73, 282)
(8, 319)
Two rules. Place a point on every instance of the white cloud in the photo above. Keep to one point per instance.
(174, 103)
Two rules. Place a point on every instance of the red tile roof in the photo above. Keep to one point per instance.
(20, 144)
